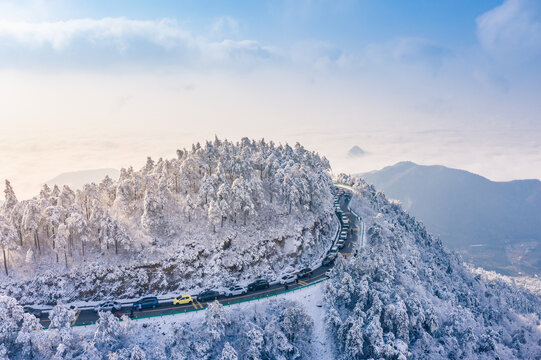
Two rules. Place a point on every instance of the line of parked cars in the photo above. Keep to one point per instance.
(344, 233)
(237, 290)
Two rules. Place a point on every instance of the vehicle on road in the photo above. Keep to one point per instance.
(306, 272)
(108, 306)
(288, 279)
(328, 260)
(235, 290)
(340, 244)
(208, 295)
(344, 234)
(183, 300)
(334, 250)
(33, 311)
(146, 303)
(259, 285)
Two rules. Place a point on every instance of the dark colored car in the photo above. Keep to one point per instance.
(208, 295)
(258, 285)
(305, 273)
(31, 310)
(146, 303)
(328, 260)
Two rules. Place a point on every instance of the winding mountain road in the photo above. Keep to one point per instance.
(166, 307)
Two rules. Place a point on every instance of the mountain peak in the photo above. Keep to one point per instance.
(356, 151)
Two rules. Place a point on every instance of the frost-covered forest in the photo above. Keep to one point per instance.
(407, 297)
(281, 330)
(218, 213)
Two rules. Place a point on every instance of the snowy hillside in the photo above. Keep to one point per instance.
(218, 213)
(406, 296)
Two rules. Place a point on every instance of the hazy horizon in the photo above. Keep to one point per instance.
(86, 86)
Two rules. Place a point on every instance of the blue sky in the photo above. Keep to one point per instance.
(106, 83)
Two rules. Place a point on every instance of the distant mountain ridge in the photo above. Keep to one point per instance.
(77, 179)
(496, 225)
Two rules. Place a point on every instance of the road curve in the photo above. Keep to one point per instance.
(89, 316)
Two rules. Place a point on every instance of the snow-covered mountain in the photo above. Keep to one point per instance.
(77, 179)
(407, 297)
(403, 297)
(496, 225)
(218, 213)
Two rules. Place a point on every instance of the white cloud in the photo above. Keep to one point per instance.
(225, 26)
(407, 50)
(122, 34)
(61, 34)
(511, 30)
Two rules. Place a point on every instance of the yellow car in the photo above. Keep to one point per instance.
(182, 300)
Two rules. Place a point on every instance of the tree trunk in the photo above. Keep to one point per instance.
(5, 261)
(70, 244)
(83, 246)
(57, 258)
(116, 246)
(20, 233)
(222, 224)
(66, 257)
(37, 240)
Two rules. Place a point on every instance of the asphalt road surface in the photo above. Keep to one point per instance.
(89, 316)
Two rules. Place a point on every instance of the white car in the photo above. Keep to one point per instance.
(235, 290)
(343, 235)
(288, 279)
(108, 306)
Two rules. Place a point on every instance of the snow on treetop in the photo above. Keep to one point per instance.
(219, 212)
